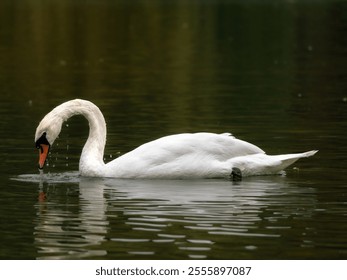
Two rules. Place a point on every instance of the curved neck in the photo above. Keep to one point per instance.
(91, 160)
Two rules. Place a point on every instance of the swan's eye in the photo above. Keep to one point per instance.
(41, 140)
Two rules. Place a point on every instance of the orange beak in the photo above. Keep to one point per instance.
(43, 153)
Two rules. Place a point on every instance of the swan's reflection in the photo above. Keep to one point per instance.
(71, 220)
(108, 218)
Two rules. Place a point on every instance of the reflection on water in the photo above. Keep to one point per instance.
(167, 219)
(70, 229)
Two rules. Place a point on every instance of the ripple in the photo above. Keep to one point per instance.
(65, 177)
(220, 229)
(163, 240)
(251, 247)
(146, 229)
(146, 224)
(131, 240)
(197, 256)
(244, 234)
(144, 253)
(174, 236)
(199, 241)
(195, 248)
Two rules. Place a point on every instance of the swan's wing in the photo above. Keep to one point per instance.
(185, 151)
(217, 146)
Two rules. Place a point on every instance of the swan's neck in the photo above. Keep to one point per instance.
(91, 161)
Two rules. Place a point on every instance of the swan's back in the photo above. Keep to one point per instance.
(218, 146)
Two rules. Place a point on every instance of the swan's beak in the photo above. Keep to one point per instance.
(43, 153)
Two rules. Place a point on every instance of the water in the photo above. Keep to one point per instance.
(261, 71)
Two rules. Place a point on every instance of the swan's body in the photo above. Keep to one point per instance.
(196, 155)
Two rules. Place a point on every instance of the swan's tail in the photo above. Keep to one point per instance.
(309, 154)
(262, 164)
(289, 159)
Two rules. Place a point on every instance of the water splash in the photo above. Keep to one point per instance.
(41, 177)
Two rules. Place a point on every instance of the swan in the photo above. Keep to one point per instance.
(179, 156)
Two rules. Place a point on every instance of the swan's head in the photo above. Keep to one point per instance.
(46, 133)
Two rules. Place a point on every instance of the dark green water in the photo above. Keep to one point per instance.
(273, 74)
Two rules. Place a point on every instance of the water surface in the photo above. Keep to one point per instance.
(263, 72)
(108, 218)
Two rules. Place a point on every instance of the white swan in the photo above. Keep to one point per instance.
(196, 155)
